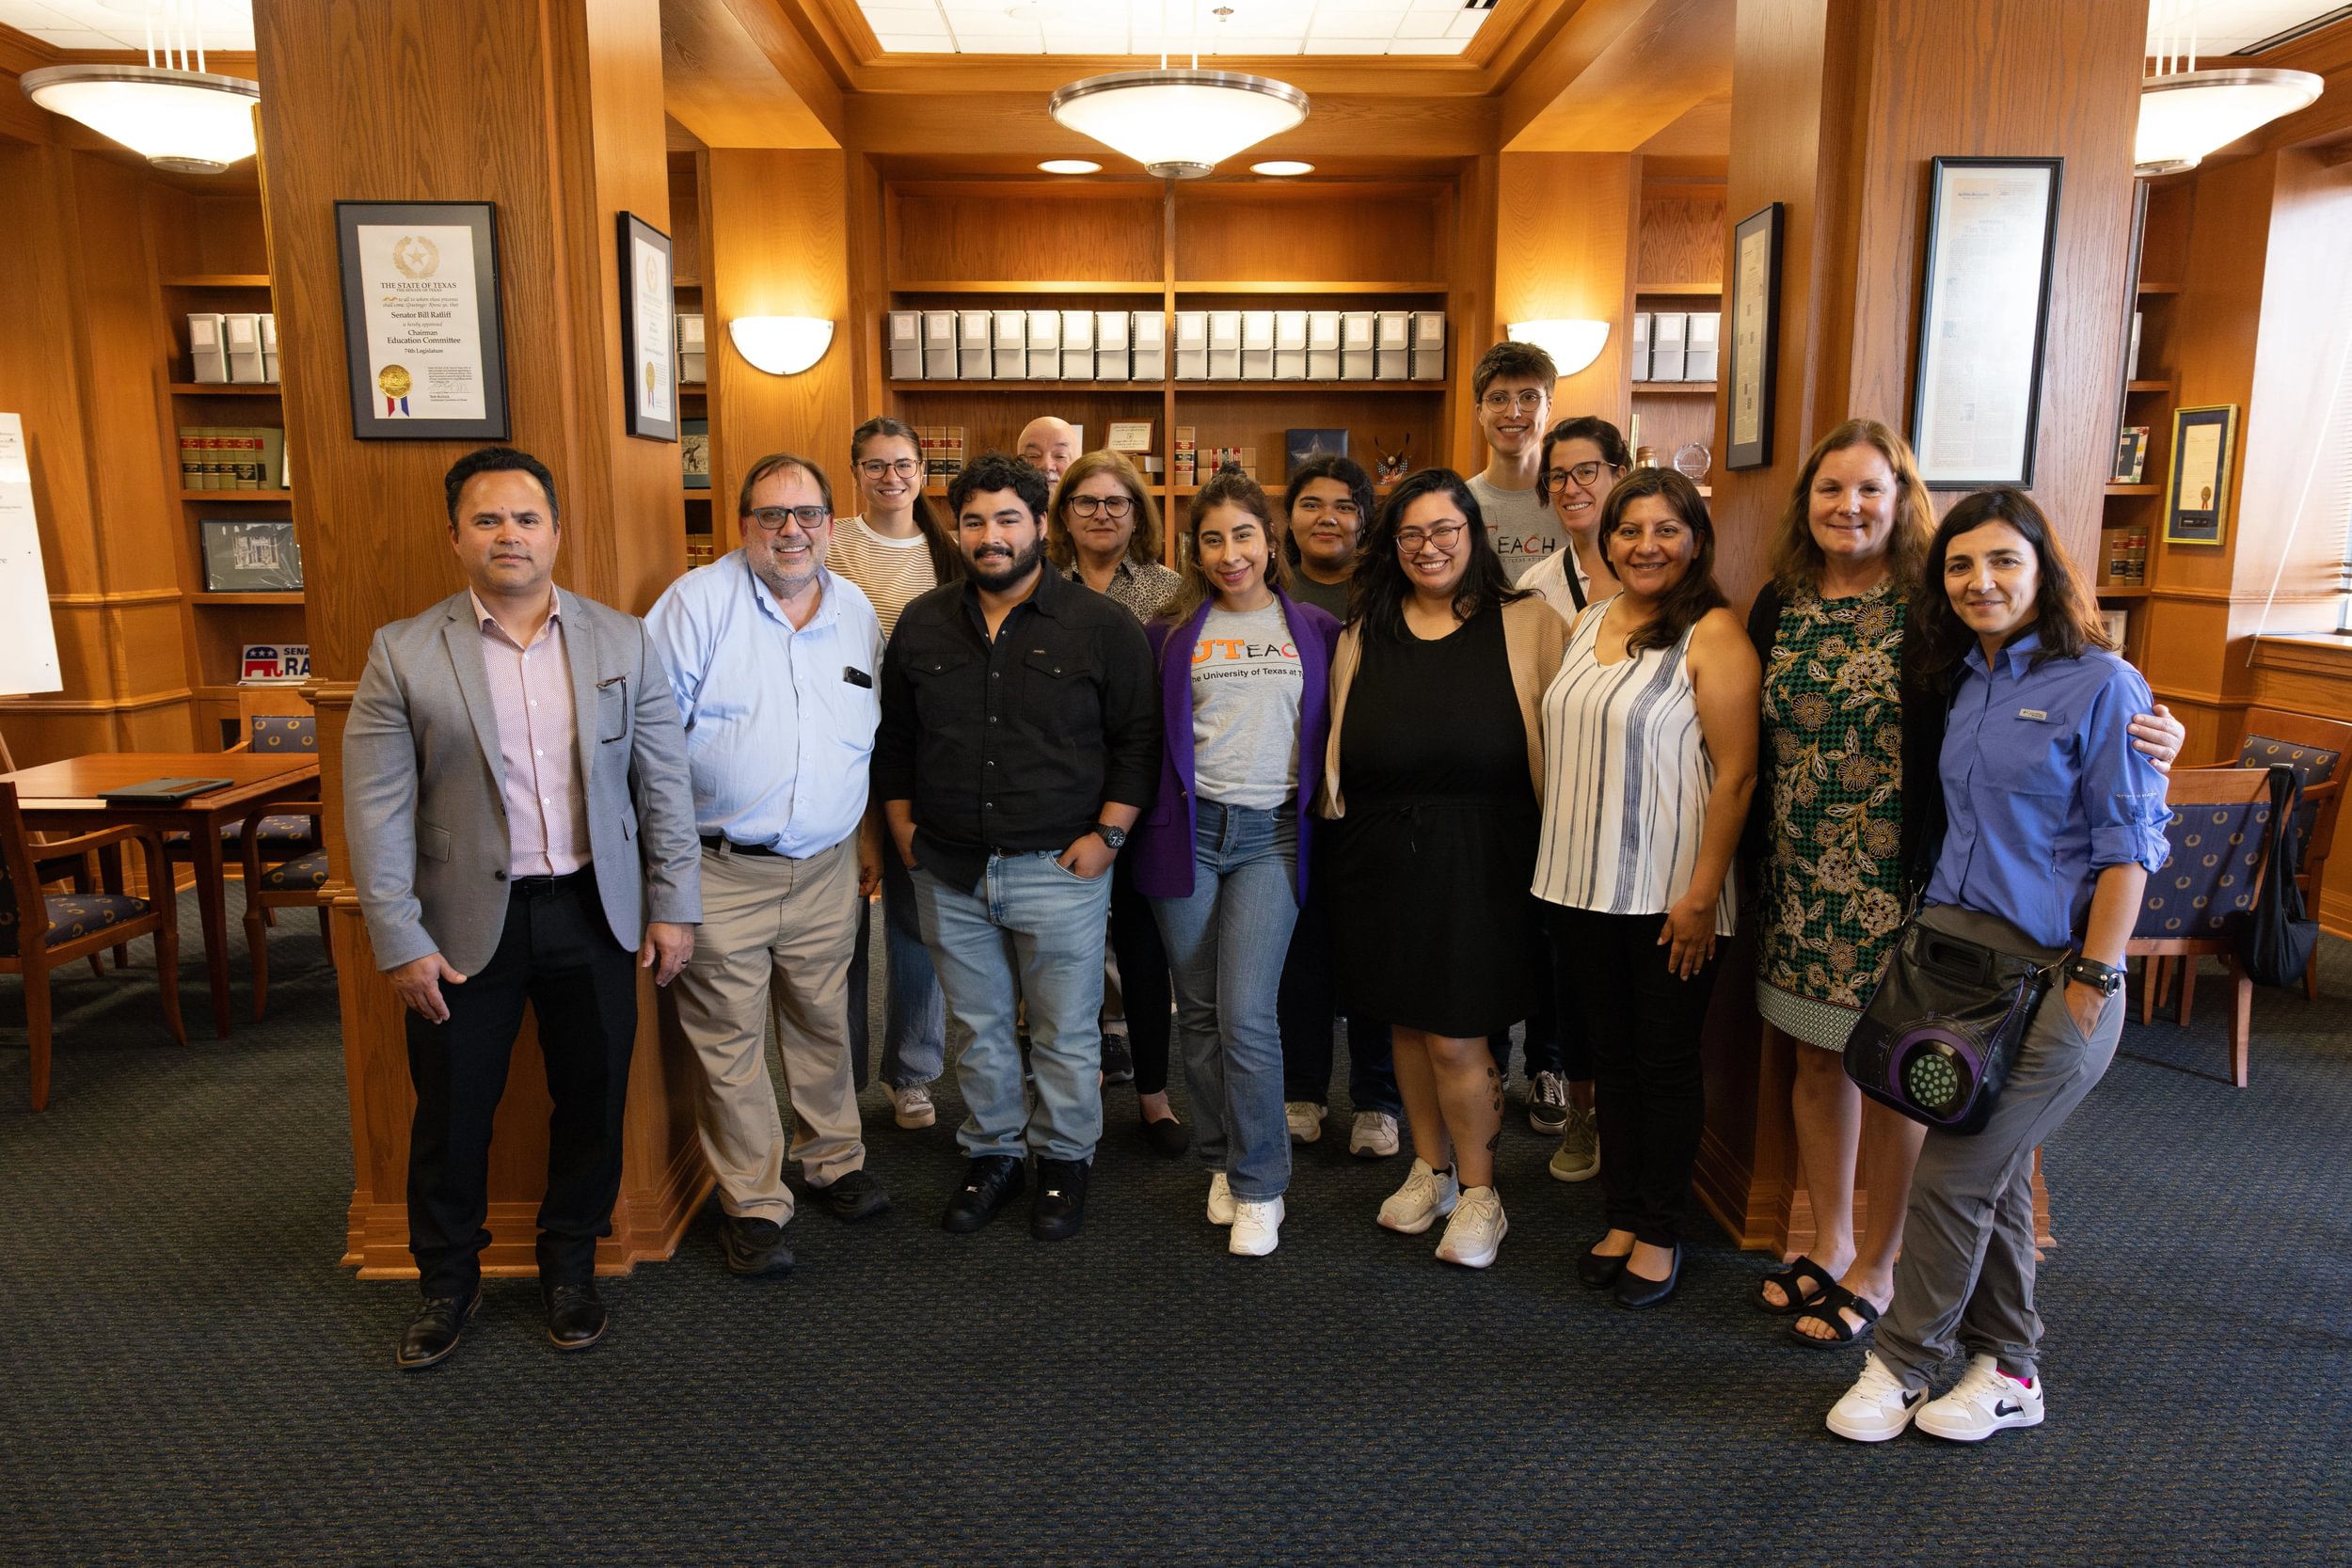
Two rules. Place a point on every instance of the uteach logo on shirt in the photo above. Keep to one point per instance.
(1240, 650)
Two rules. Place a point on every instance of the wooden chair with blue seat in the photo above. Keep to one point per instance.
(274, 885)
(287, 832)
(41, 932)
(2219, 834)
(2315, 750)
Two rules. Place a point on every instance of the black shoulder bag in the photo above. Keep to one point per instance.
(2275, 941)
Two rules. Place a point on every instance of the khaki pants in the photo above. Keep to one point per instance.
(776, 935)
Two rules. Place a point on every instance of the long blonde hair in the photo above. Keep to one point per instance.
(1143, 545)
(1797, 560)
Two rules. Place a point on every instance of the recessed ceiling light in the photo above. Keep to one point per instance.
(1070, 165)
(1282, 168)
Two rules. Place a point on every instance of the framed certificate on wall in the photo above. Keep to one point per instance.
(648, 306)
(2196, 496)
(1755, 336)
(1984, 311)
(423, 340)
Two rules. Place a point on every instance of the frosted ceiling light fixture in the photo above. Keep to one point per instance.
(180, 116)
(1572, 344)
(1282, 169)
(2186, 113)
(1179, 123)
(1071, 166)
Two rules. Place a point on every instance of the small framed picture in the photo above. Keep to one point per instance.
(648, 309)
(2197, 503)
(1755, 336)
(423, 337)
(694, 453)
(250, 556)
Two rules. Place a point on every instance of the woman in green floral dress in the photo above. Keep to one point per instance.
(1836, 832)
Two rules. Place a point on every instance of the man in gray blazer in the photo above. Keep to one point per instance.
(520, 824)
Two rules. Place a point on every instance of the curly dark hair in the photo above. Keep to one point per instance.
(997, 471)
(1376, 594)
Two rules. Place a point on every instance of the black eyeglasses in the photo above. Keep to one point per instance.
(877, 467)
(1584, 473)
(1113, 506)
(1445, 536)
(773, 518)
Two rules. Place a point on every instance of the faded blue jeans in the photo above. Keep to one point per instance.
(1029, 932)
(1225, 943)
(914, 1039)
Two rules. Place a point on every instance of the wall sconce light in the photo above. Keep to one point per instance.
(1572, 344)
(781, 345)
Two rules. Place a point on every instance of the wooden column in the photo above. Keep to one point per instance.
(1837, 107)
(1564, 247)
(551, 109)
(779, 227)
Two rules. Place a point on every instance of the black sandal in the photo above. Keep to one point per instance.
(1794, 1300)
(1829, 1307)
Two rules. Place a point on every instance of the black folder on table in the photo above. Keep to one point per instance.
(162, 792)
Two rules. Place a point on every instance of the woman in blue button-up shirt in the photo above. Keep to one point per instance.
(2053, 822)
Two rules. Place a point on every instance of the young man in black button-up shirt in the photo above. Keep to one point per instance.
(1020, 741)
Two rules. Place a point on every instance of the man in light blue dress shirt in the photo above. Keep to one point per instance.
(773, 659)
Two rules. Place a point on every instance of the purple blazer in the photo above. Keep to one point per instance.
(1160, 850)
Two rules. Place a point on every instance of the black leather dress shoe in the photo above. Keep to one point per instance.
(754, 1245)
(858, 1195)
(1633, 1290)
(575, 1315)
(1167, 1137)
(435, 1332)
(990, 1183)
(1060, 1207)
(1598, 1272)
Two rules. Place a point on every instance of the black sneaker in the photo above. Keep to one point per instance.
(1060, 1207)
(990, 1183)
(1119, 1060)
(754, 1245)
(856, 1197)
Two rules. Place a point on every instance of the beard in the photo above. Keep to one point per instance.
(783, 582)
(998, 573)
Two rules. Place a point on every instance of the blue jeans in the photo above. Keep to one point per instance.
(1030, 931)
(1226, 943)
(915, 1042)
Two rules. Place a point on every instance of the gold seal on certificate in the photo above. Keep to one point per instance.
(393, 381)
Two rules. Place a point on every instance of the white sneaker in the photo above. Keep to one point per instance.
(1425, 1198)
(1373, 1136)
(1306, 1121)
(1475, 1233)
(1220, 1200)
(1877, 1407)
(1986, 1400)
(1257, 1226)
(911, 1107)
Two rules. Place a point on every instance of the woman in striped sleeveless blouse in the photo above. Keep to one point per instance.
(1649, 757)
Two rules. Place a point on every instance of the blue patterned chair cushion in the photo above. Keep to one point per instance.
(293, 875)
(280, 837)
(2312, 765)
(285, 732)
(74, 914)
(2208, 879)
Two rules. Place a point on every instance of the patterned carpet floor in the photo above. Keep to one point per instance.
(191, 1379)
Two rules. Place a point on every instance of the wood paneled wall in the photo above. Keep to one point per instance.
(576, 136)
(1564, 240)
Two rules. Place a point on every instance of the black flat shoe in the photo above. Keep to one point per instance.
(1167, 1137)
(575, 1316)
(439, 1323)
(1060, 1207)
(990, 1183)
(1633, 1290)
(1598, 1272)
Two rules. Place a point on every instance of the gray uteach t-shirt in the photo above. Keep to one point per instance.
(1247, 681)
(1523, 529)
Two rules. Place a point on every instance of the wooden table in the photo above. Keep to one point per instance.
(66, 795)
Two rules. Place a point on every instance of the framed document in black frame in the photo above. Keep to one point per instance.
(1984, 312)
(1755, 339)
(2197, 492)
(424, 341)
(648, 311)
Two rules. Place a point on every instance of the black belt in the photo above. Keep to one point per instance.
(719, 846)
(536, 887)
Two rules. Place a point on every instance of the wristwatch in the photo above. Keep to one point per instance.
(1114, 838)
(2106, 978)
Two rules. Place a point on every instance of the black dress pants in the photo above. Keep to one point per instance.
(1644, 1025)
(556, 953)
(1144, 986)
(1305, 1007)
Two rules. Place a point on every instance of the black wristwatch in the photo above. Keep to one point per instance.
(2106, 978)
(1114, 838)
